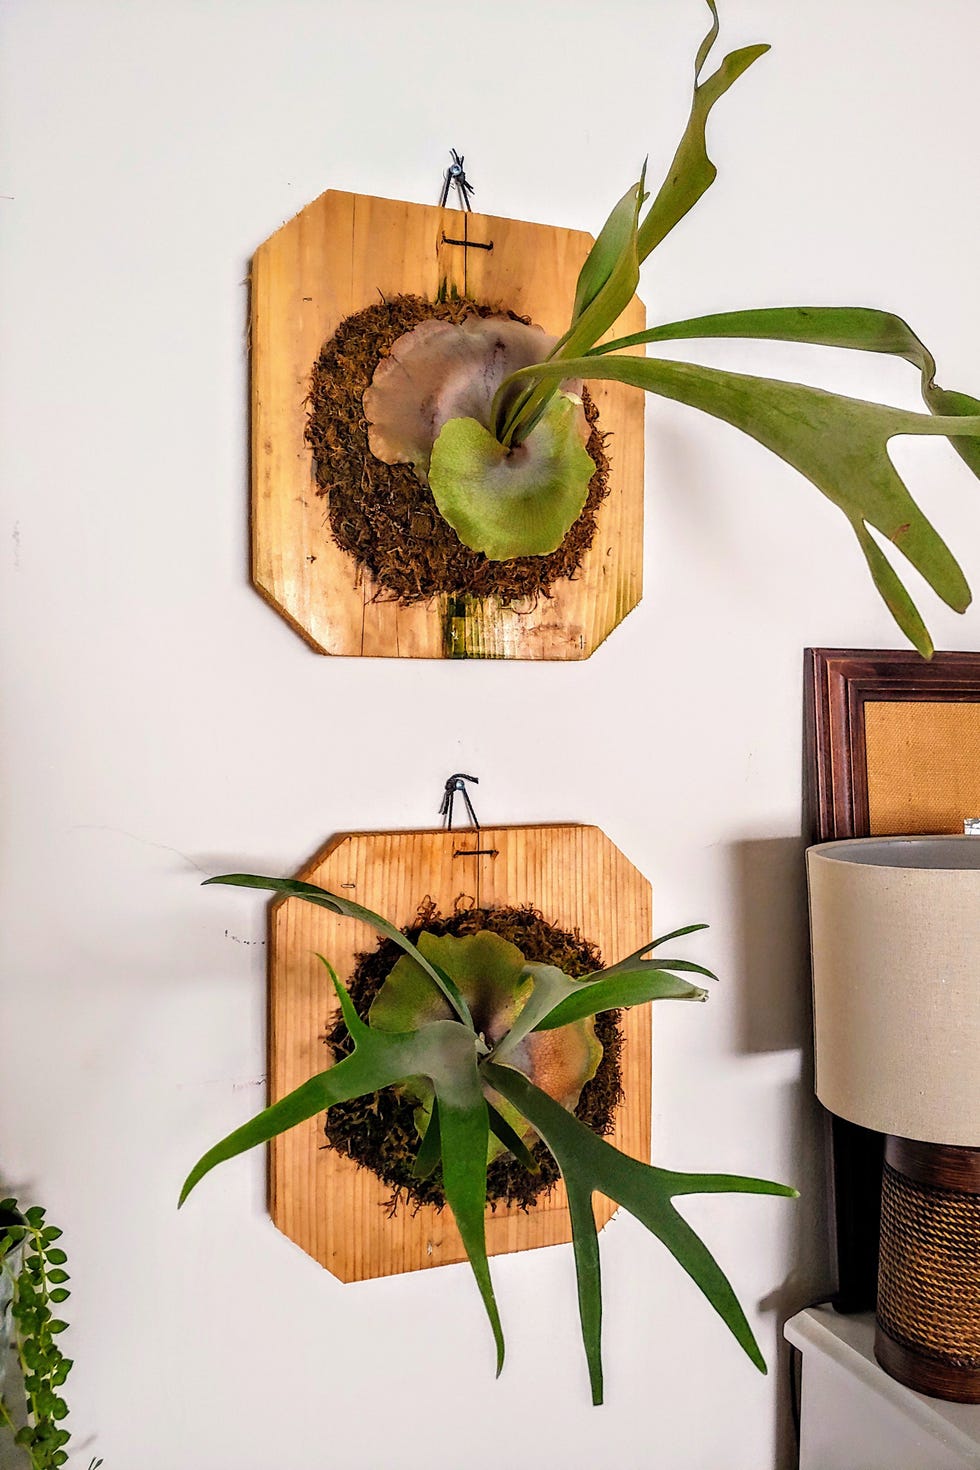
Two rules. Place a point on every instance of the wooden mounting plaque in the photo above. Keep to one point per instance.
(320, 1198)
(336, 257)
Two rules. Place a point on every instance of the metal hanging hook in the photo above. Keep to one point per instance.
(457, 783)
(456, 178)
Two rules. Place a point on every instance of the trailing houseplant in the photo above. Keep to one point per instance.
(32, 1283)
(488, 411)
(493, 1051)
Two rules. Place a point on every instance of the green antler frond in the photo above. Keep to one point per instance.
(587, 1164)
(557, 1000)
(691, 172)
(310, 893)
(838, 443)
(610, 275)
(862, 328)
(446, 1053)
(414, 1047)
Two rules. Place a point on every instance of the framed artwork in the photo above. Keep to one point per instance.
(891, 746)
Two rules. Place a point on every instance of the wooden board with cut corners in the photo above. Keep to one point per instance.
(576, 877)
(339, 255)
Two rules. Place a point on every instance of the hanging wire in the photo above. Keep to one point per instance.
(455, 177)
(457, 784)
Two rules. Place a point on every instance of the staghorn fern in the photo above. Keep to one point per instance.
(508, 469)
(472, 1031)
(496, 982)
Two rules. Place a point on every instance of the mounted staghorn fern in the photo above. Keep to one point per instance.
(493, 1051)
(489, 412)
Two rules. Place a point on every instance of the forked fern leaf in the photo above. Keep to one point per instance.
(587, 1164)
(692, 172)
(310, 893)
(446, 1053)
(838, 443)
(862, 328)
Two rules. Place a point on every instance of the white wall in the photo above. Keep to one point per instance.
(159, 721)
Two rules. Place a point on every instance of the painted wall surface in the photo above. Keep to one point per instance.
(160, 723)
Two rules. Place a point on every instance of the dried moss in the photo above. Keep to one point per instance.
(380, 514)
(379, 1130)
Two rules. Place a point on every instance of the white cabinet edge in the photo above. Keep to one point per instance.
(848, 1342)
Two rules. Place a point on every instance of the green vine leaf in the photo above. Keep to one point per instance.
(30, 1263)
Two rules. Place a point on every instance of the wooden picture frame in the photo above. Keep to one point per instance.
(891, 745)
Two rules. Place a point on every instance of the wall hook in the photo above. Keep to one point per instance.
(456, 783)
(455, 177)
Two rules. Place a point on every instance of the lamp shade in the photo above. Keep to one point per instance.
(895, 934)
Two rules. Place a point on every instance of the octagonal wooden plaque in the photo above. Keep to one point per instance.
(320, 1198)
(340, 254)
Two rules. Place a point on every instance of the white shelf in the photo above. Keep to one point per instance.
(854, 1417)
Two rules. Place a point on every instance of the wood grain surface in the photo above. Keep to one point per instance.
(339, 255)
(320, 1198)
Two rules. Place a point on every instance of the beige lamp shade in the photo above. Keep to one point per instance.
(895, 934)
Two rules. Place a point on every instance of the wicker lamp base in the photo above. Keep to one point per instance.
(928, 1317)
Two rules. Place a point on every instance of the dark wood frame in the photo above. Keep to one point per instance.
(838, 683)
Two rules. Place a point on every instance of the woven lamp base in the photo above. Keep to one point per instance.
(928, 1317)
